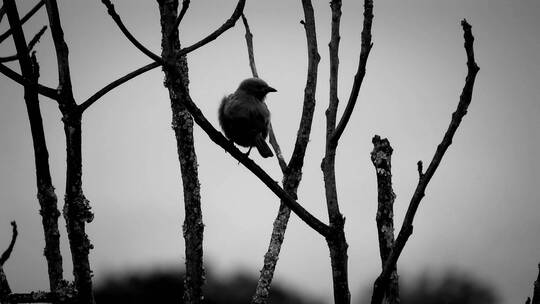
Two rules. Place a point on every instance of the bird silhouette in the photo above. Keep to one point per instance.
(245, 118)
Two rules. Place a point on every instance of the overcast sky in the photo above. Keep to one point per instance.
(481, 213)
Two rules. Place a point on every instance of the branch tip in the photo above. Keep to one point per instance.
(420, 166)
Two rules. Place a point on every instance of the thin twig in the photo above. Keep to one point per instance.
(26, 17)
(7, 252)
(92, 99)
(112, 12)
(457, 116)
(224, 27)
(273, 140)
(185, 6)
(277, 149)
(249, 42)
(31, 45)
(360, 72)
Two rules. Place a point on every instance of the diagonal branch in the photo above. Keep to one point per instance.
(7, 252)
(228, 146)
(292, 174)
(457, 116)
(360, 73)
(224, 27)
(26, 17)
(31, 45)
(92, 99)
(2, 13)
(43, 90)
(129, 36)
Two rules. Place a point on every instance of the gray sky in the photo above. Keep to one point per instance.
(481, 210)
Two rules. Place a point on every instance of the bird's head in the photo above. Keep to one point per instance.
(256, 87)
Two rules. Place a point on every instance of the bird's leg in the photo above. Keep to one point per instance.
(247, 153)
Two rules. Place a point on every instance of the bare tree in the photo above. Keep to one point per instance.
(185, 114)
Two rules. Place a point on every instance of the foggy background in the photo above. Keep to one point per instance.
(481, 210)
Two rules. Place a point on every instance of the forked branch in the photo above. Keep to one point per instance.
(215, 34)
(31, 45)
(457, 116)
(360, 72)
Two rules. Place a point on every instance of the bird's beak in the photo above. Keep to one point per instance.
(270, 89)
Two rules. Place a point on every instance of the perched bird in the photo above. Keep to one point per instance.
(245, 118)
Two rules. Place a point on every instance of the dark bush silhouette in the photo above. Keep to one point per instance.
(450, 288)
(165, 286)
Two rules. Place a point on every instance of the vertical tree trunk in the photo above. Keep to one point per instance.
(176, 81)
(45, 190)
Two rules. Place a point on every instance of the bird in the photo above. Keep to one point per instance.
(244, 116)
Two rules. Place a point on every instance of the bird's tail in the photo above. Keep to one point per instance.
(263, 147)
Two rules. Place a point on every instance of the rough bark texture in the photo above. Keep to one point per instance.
(293, 171)
(45, 190)
(176, 81)
(382, 281)
(76, 209)
(381, 156)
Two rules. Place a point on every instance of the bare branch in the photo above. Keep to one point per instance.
(293, 172)
(360, 72)
(2, 13)
(224, 27)
(228, 146)
(249, 42)
(381, 157)
(176, 81)
(7, 252)
(457, 116)
(253, 66)
(26, 17)
(129, 36)
(277, 149)
(43, 90)
(304, 129)
(77, 211)
(4, 286)
(31, 45)
(87, 103)
(185, 6)
(420, 166)
(337, 243)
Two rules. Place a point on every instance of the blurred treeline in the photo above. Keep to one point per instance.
(165, 286)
